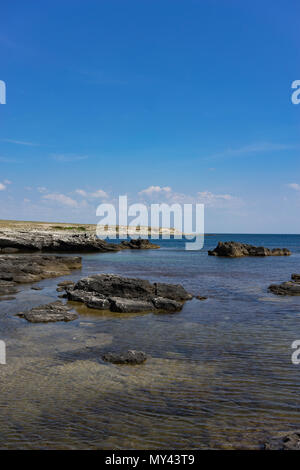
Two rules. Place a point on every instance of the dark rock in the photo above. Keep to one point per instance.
(238, 250)
(9, 250)
(56, 311)
(201, 297)
(127, 294)
(36, 288)
(287, 288)
(129, 357)
(139, 244)
(60, 289)
(290, 441)
(118, 304)
(33, 268)
(6, 297)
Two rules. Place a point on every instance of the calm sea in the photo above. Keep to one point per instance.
(219, 373)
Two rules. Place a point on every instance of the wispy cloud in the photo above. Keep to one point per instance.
(294, 186)
(68, 157)
(155, 190)
(99, 193)
(4, 184)
(252, 149)
(20, 142)
(61, 199)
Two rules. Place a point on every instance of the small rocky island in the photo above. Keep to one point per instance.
(125, 295)
(287, 288)
(238, 250)
(29, 241)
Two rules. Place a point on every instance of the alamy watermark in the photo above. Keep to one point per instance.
(296, 94)
(179, 221)
(2, 92)
(2, 353)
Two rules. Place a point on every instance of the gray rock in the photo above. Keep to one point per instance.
(167, 305)
(118, 304)
(129, 357)
(23, 268)
(238, 250)
(287, 288)
(127, 294)
(56, 311)
(290, 441)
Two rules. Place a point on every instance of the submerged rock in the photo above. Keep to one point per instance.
(201, 297)
(290, 441)
(18, 269)
(128, 357)
(56, 311)
(238, 250)
(139, 244)
(67, 242)
(287, 288)
(122, 294)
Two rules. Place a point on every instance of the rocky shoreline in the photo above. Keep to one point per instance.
(19, 241)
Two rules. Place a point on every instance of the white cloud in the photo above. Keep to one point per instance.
(81, 192)
(96, 194)
(294, 186)
(213, 200)
(61, 199)
(99, 193)
(2, 187)
(155, 190)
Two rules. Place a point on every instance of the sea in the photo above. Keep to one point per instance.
(219, 374)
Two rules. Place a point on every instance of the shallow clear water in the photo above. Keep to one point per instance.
(219, 373)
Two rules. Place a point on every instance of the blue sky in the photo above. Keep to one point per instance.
(112, 97)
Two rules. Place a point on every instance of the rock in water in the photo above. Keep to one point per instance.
(128, 357)
(238, 250)
(56, 311)
(287, 288)
(122, 294)
(139, 244)
(32, 268)
(290, 441)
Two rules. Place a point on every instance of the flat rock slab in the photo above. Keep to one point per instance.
(287, 288)
(13, 241)
(56, 311)
(238, 250)
(122, 294)
(129, 357)
(290, 441)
